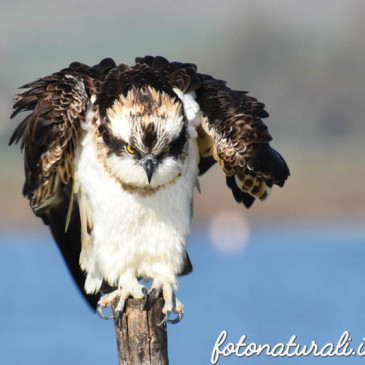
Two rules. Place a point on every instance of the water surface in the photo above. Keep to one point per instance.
(308, 282)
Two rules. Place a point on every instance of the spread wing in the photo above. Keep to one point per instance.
(230, 131)
(233, 133)
(49, 135)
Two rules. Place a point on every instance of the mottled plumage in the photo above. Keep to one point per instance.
(112, 154)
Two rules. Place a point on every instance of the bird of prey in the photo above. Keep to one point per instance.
(112, 155)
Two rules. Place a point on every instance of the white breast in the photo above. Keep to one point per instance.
(142, 236)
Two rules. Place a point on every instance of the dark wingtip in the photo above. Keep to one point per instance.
(13, 114)
(272, 164)
(11, 140)
(205, 164)
(282, 169)
(246, 199)
(264, 114)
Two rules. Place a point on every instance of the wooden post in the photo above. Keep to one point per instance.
(140, 340)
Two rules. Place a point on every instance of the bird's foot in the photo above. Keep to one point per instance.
(134, 290)
(172, 303)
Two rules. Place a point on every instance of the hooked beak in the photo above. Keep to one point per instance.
(149, 166)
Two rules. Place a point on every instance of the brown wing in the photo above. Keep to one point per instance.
(49, 135)
(52, 129)
(231, 131)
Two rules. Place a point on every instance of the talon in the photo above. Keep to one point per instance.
(99, 310)
(153, 293)
(145, 297)
(118, 319)
(178, 318)
(164, 320)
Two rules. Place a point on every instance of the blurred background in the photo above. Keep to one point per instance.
(290, 265)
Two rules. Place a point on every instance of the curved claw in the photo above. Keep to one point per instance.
(99, 310)
(167, 319)
(118, 319)
(178, 318)
(145, 297)
(153, 293)
(164, 320)
(148, 297)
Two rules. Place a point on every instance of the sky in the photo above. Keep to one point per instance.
(303, 59)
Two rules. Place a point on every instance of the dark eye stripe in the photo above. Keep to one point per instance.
(177, 145)
(115, 145)
(118, 146)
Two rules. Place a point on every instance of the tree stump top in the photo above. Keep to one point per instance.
(140, 340)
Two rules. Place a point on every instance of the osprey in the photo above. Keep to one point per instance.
(112, 155)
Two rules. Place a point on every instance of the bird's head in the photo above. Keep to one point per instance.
(144, 138)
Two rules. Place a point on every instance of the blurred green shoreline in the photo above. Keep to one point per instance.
(305, 60)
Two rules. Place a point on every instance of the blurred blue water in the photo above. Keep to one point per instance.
(308, 282)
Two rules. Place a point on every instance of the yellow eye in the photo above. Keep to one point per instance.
(167, 149)
(130, 149)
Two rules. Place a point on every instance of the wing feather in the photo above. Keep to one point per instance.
(240, 140)
(49, 135)
(231, 131)
(57, 102)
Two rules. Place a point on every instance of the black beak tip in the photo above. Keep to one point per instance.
(149, 168)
